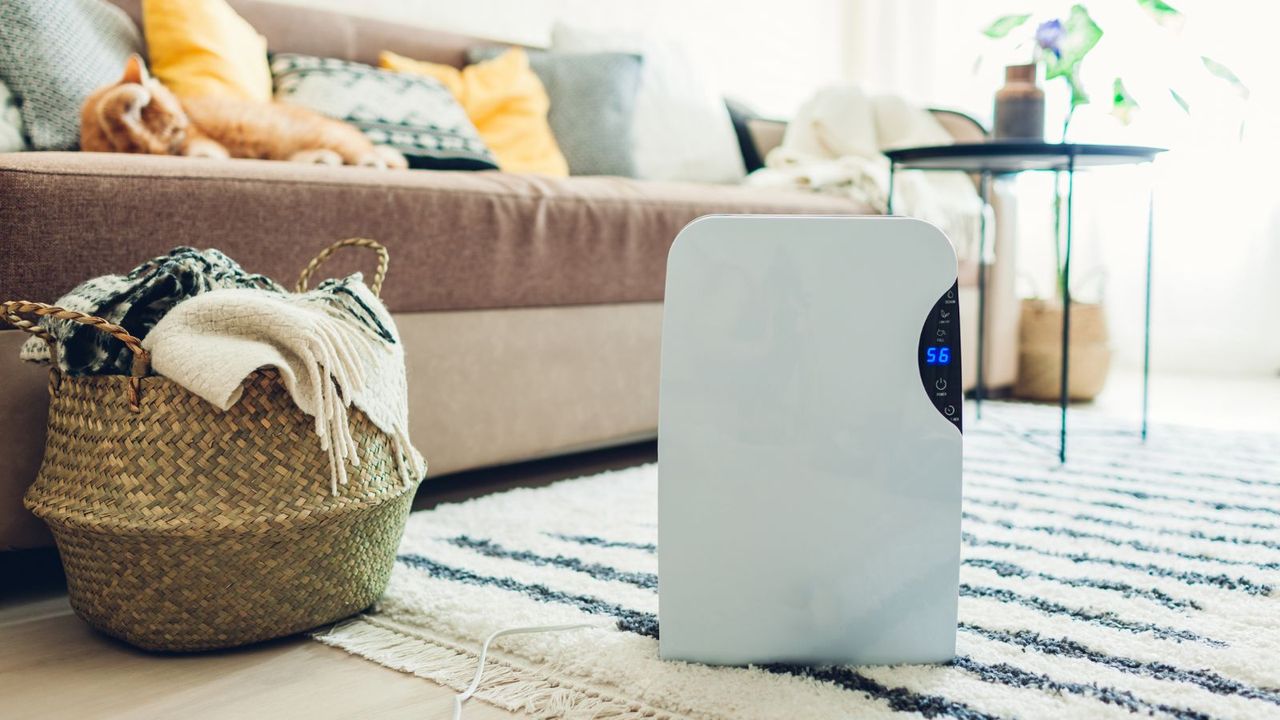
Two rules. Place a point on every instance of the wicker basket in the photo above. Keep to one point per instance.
(184, 528)
(1040, 351)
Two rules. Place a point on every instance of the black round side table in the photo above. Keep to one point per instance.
(1003, 158)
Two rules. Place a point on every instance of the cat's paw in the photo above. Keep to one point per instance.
(205, 148)
(384, 157)
(318, 156)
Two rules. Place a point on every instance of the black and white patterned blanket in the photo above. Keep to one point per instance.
(136, 301)
(1136, 580)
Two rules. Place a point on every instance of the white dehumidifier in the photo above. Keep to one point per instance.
(809, 442)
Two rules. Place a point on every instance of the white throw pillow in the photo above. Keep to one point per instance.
(11, 135)
(681, 129)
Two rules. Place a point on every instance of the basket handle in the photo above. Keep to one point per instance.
(13, 312)
(378, 276)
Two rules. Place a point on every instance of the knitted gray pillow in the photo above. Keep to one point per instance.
(53, 54)
(593, 98)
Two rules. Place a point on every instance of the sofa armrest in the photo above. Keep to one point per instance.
(963, 128)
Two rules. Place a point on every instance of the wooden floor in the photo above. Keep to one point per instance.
(53, 666)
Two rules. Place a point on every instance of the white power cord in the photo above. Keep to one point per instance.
(465, 695)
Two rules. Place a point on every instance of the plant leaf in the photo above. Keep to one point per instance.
(1004, 25)
(1082, 33)
(1222, 72)
(1182, 103)
(1162, 13)
(1078, 95)
(1122, 103)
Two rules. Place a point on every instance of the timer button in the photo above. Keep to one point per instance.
(949, 410)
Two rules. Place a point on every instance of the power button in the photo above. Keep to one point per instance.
(941, 384)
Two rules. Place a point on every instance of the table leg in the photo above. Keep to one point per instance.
(1066, 310)
(980, 387)
(1146, 319)
(889, 201)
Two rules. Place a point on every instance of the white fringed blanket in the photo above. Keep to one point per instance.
(334, 347)
(834, 145)
(1136, 581)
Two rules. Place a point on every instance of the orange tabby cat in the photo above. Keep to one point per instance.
(140, 115)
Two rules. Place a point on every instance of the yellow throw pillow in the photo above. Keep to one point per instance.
(507, 104)
(204, 48)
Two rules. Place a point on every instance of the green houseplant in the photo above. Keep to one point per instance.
(1060, 44)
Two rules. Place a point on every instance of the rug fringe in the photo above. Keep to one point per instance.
(505, 685)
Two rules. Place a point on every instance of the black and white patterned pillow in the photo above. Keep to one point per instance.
(53, 54)
(414, 114)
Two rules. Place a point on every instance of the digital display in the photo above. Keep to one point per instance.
(937, 355)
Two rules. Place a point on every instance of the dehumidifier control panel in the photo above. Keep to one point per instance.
(939, 356)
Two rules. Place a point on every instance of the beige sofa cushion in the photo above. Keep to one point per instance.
(458, 240)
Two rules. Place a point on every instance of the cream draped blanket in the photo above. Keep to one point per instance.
(334, 347)
(835, 145)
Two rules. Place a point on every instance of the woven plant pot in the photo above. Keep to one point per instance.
(1040, 351)
(182, 527)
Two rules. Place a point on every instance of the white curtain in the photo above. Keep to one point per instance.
(1216, 296)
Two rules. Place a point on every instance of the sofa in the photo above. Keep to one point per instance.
(530, 306)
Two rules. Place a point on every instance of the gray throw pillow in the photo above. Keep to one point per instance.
(53, 54)
(593, 98)
(414, 114)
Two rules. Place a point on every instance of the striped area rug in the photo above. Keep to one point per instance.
(1136, 580)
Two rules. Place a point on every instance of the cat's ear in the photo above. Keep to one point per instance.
(135, 71)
